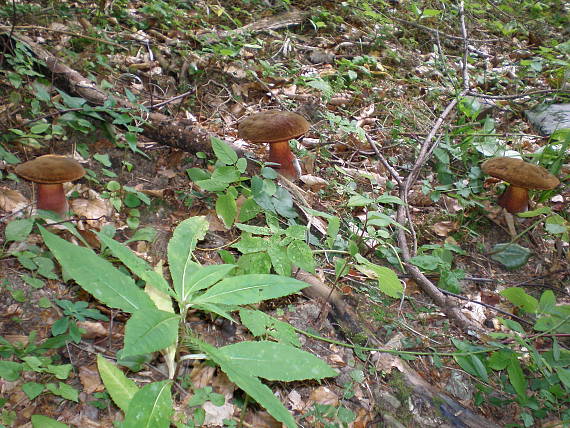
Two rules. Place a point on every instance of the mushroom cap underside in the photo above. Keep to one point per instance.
(50, 169)
(520, 173)
(272, 126)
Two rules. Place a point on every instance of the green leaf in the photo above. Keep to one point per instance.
(150, 407)
(10, 370)
(135, 264)
(97, 276)
(150, 330)
(261, 324)
(63, 390)
(40, 421)
(212, 185)
(120, 388)
(301, 255)
(250, 384)
(247, 289)
(518, 297)
(276, 361)
(547, 302)
(18, 230)
(388, 199)
(427, 262)
(388, 281)
(564, 376)
(499, 360)
(254, 263)
(248, 210)
(280, 260)
(250, 244)
(256, 230)
(32, 389)
(517, 377)
(359, 201)
(223, 151)
(512, 256)
(479, 367)
(206, 276)
(183, 242)
(226, 208)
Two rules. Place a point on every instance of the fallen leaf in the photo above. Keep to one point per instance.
(444, 228)
(324, 395)
(90, 379)
(93, 329)
(94, 210)
(12, 200)
(215, 415)
(314, 183)
(295, 400)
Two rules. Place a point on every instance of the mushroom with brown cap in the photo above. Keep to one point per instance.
(276, 128)
(521, 176)
(50, 172)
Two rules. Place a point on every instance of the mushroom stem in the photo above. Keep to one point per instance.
(281, 154)
(52, 197)
(515, 199)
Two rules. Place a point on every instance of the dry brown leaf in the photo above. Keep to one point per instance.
(90, 379)
(93, 329)
(202, 375)
(296, 401)
(95, 210)
(444, 228)
(12, 200)
(215, 415)
(315, 183)
(324, 395)
(263, 420)
(336, 361)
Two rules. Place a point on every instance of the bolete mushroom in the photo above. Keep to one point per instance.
(50, 172)
(521, 176)
(276, 128)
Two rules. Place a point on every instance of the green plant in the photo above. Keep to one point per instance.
(154, 326)
(130, 197)
(439, 258)
(74, 311)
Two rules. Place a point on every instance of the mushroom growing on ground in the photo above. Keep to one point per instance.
(50, 172)
(276, 128)
(521, 176)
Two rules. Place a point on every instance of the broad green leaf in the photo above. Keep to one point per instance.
(426, 262)
(18, 230)
(33, 389)
(251, 244)
(151, 407)
(388, 199)
(248, 210)
(276, 361)
(261, 324)
(10, 370)
(512, 256)
(479, 367)
(183, 242)
(517, 377)
(301, 255)
(250, 384)
(256, 230)
(280, 260)
(120, 388)
(97, 276)
(359, 201)
(40, 421)
(547, 302)
(254, 263)
(212, 185)
(63, 390)
(564, 376)
(247, 289)
(388, 281)
(135, 264)
(223, 151)
(518, 297)
(205, 276)
(226, 209)
(499, 360)
(150, 330)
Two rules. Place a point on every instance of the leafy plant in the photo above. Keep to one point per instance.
(154, 326)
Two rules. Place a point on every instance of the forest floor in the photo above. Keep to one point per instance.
(405, 101)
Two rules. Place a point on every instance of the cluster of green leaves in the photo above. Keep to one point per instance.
(439, 259)
(535, 376)
(154, 326)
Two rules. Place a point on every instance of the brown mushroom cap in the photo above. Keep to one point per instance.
(272, 126)
(520, 173)
(50, 169)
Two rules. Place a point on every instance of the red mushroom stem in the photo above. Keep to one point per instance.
(52, 197)
(515, 199)
(281, 154)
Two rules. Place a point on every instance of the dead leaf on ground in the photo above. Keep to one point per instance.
(263, 420)
(12, 200)
(295, 400)
(315, 183)
(93, 329)
(90, 379)
(94, 209)
(215, 415)
(444, 228)
(324, 395)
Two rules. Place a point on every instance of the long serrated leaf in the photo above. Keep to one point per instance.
(97, 276)
(150, 330)
(151, 407)
(276, 361)
(247, 289)
(250, 384)
(180, 247)
(135, 264)
(40, 421)
(120, 388)
(204, 277)
(517, 377)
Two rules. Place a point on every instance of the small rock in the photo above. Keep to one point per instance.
(549, 118)
(387, 401)
(321, 57)
(459, 386)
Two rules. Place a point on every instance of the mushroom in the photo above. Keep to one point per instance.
(50, 172)
(276, 128)
(521, 176)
